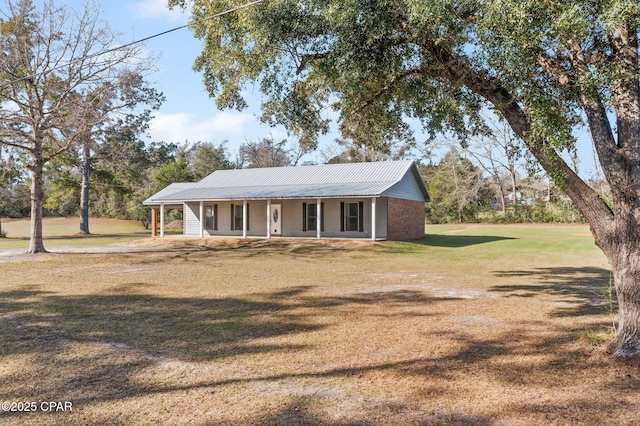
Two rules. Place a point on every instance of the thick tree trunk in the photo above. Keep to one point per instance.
(625, 266)
(36, 244)
(84, 194)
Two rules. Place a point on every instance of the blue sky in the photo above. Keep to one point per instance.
(188, 113)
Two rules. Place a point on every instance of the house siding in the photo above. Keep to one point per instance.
(191, 219)
(381, 218)
(292, 217)
(405, 219)
(257, 219)
(407, 189)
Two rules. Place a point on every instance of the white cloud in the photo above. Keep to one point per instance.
(154, 9)
(180, 127)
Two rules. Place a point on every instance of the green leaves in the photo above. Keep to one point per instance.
(379, 63)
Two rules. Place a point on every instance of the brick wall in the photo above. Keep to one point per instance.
(405, 219)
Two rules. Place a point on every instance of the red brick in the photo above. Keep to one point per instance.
(405, 219)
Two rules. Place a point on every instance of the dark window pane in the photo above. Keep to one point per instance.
(312, 217)
(208, 219)
(352, 217)
(237, 217)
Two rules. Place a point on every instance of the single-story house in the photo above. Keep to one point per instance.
(379, 200)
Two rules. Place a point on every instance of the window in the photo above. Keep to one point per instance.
(236, 217)
(352, 217)
(211, 217)
(310, 217)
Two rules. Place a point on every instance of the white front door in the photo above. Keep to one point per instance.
(276, 219)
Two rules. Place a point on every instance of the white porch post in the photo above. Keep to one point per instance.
(162, 219)
(268, 219)
(373, 218)
(244, 218)
(202, 219)
(318, 217)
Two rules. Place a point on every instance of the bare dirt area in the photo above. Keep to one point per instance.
(474, 327)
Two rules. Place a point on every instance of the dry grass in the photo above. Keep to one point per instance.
(62, 232)
(489, 325)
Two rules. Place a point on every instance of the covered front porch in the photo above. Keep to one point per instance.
(359, 218)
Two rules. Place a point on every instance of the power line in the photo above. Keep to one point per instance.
(142, 40)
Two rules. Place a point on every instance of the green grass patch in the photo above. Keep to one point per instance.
(59, 232)
(596, 338)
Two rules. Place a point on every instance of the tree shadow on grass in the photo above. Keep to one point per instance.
(300, 412)
(189, 329)
(583, 291)
(457, 241)
(144, 331)
(191, 250)
(186, 328)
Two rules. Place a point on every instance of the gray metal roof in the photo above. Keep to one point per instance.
(169, 190)
(318, 181)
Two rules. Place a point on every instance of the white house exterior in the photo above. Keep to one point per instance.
(380, 200)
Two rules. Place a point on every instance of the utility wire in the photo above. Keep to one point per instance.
(142, 40)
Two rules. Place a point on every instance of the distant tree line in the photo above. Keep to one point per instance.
(124, 172)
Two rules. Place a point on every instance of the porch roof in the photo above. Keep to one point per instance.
(274, 192)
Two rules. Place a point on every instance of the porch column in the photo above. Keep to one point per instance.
(244, 218)
(318, 217)
(268, 219)
(202, 219)
(373, 219)
(162, 219)
(154, 222)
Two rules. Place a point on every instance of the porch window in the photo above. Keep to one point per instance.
(236, 217)
(352, 216)
(211, 218)
(310, 217)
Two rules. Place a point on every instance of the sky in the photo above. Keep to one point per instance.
(188, 114)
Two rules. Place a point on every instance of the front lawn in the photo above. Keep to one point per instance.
(474, 324)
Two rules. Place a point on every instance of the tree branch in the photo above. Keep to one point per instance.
(554, 67)
(458, 71)
(305, 59)
(396, 77)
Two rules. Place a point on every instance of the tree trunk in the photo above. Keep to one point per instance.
(84, 193)
(1, 228)
(503, 206)
(36, 244)
(514, 187)
(625, 266)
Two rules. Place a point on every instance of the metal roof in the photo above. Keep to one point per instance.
(317, 181)
(169, 190)
(388, 171)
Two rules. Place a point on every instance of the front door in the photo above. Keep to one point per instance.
(276, 219)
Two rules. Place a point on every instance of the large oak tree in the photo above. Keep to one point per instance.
(544, 66)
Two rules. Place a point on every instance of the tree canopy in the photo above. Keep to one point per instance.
(545, 67)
